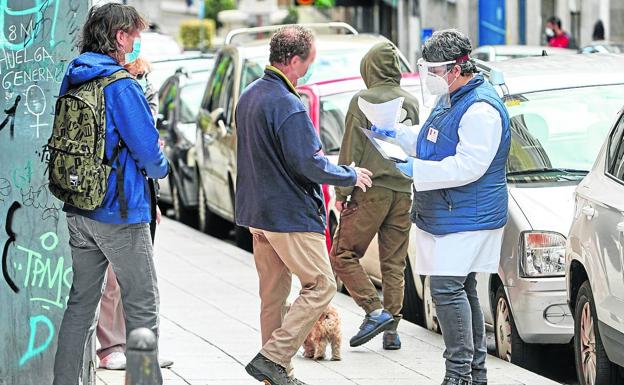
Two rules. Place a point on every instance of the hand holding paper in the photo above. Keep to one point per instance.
(407, 168)
(390, 133)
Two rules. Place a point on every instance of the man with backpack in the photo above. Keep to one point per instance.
(103, 147)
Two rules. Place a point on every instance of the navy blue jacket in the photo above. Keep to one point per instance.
(279, 160)
(128, 117)
(480, 205)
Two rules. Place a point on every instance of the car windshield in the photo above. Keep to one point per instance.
(556, 134)
(327, 66)
(190, 100)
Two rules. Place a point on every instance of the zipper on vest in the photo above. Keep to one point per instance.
(447, 198)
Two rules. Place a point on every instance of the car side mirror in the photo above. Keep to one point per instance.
(218, 117)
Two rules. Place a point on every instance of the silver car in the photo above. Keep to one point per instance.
(595, 266)
(561, 108)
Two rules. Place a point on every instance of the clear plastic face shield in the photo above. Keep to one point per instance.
(433, 82)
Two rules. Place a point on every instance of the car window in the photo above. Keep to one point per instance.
(560, 129)
(615, 160)
(190, 97)
(226, 100)
(252, 70)
(332, 120)
(167, 100)
(216, 83)
(483, 56)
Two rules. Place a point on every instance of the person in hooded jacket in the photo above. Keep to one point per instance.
(382, 210)
(112, 233)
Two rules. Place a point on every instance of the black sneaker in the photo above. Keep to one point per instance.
(269, 372)
(479, 382)
(391, 340)
(456, 381)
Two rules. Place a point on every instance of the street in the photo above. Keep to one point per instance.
(210, 326)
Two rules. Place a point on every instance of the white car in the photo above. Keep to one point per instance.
(595, 267)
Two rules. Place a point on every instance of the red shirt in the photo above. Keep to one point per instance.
(560, 41)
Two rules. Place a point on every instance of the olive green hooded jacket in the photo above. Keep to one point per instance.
(380, 69)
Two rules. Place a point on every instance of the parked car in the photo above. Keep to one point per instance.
(603, 46)
(595, 266)
(237, 66)
(191, 61)
(559, 117)
(506, 52)
(158, 46)
(179, 100)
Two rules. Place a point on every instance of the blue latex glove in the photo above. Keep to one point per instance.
(390, 133)
(407, 168)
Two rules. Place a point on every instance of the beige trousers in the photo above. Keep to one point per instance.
(277, 257)
(111, 327)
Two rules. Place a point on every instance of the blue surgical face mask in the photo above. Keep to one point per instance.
(136, 49)
(306, 77)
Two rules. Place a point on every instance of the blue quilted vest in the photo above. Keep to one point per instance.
(481, 205)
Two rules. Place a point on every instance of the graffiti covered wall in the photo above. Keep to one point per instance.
(37, 39)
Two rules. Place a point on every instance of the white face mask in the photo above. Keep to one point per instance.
(436, 84)
(549, 32)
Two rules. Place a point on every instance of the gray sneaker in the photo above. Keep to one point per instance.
(269, 372)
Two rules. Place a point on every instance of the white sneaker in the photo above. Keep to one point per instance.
(114, 361)
(117, 361)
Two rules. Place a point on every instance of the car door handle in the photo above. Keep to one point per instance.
(588, 211)
(620, 227)
(209, 138)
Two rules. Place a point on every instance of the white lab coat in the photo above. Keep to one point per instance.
(459, 254)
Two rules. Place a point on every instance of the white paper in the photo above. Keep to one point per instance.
(383, 115)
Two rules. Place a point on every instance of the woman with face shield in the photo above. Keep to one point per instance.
(460, 195)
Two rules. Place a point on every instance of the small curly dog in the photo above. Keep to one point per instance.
(326, 330)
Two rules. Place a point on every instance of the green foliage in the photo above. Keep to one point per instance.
(193, 31)
(324, 3)
(213, 7)
(292, 17)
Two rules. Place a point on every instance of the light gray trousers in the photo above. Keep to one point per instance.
(128, 248)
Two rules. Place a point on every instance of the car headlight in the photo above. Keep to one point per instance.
(542, 254)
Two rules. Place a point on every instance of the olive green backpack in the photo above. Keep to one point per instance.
(78, 171)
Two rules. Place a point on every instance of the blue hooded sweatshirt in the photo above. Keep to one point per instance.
(128, 118)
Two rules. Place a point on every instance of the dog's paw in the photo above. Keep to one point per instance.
(336, 358)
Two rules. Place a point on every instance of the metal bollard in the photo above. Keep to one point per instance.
(142, 358)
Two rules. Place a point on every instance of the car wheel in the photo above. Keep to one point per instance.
(180, 212)
(412, 304)
(429, 313)
(333, 225)
(509, 345)
(592, 364)
(210, 223)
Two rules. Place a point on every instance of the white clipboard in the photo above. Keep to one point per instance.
(387, 147)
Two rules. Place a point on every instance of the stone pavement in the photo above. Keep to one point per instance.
(210, 326)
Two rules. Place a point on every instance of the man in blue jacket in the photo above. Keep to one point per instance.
(278, 196)
(113, 233)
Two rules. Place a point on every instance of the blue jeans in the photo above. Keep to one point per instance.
(462, 324)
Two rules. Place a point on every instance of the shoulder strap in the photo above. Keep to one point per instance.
(107, 80)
